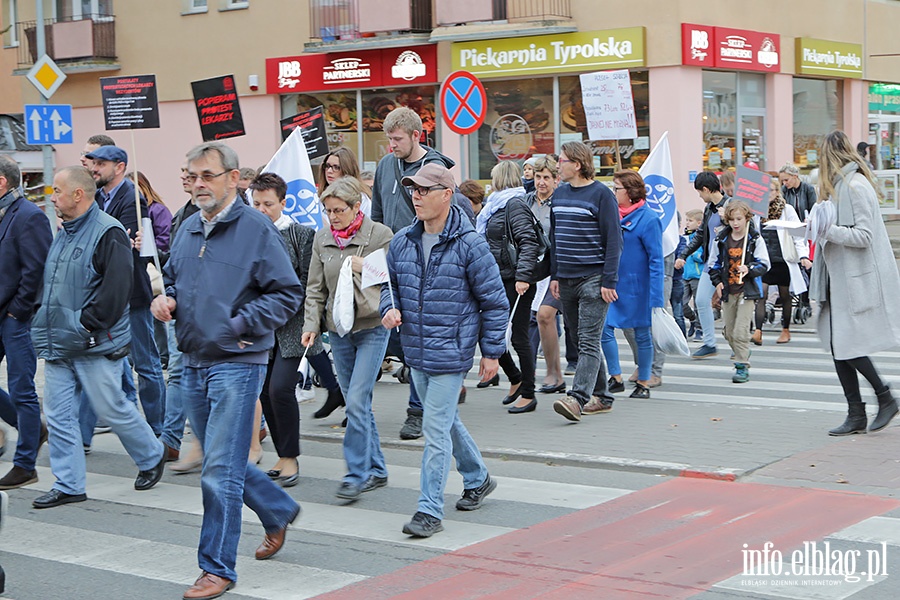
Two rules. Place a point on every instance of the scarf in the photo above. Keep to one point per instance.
(283, 222)
(495, 203)
(624, 211)
(7, 200)
(776, 209)
(342, 237)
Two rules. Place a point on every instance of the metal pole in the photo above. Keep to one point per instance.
(46, 149)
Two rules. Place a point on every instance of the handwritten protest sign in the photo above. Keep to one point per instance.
(608, 105)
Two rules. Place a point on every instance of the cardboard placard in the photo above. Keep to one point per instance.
(130, 102)
(608, 105)
(312, 126)
(218, 108)
(753, 186)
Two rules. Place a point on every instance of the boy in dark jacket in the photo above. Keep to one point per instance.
(739, 259)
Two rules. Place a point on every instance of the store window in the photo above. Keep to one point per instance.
(734, 119)
(818, 110)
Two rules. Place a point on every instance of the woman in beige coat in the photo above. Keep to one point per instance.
(854, 280)
(359, 352)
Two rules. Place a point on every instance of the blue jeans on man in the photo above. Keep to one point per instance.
(358, 357)
(20, 407)
(445, 436)
(220, 401)
(703, 300)
(144, 357)
(101, 381)
(585, 310)
(173, 427)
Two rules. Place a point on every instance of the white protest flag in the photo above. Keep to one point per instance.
(657, 174)
(291, 162)
(375, 268)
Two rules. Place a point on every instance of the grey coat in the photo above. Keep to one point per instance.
(298, 240)
(855, 276)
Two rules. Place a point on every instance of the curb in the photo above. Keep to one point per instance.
(647, 467)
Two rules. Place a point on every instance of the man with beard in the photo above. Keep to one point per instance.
(229, 284)
(115, 196)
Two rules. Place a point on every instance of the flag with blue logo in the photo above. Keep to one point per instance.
(657, 174)
(291, 162)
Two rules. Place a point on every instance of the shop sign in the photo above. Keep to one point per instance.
(549, 54)
(389, 67)
(725, 48)
(830, 59)
(884, 97)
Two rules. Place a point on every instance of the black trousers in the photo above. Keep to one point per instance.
(523, 372)
(280, 405)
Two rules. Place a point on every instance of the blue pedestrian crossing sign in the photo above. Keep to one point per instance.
(48, 124)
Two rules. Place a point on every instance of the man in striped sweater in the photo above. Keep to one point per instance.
(587, 242)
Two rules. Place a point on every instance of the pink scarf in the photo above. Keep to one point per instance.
(342, 237)
(624, 211)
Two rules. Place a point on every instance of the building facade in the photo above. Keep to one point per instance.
(730, 84)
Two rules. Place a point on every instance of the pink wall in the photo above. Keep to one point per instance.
(160, 152)
(856, 110)
(676, 106)
(779, 120)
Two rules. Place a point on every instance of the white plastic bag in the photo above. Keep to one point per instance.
(343, 299)
(509, 324)
(667, 336)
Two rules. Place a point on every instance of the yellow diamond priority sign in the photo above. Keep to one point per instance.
(46, 76)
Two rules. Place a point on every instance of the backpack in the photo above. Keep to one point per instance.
(542, 266)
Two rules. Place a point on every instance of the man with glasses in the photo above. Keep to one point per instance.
(392, 205)
(229, 284)
(448, 297)
(116, 197)
(94, 142)
(799, 194)
(586, 236)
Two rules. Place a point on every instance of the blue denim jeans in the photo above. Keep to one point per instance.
(145, 360)
(20, 407)
(644, 343)
(101, 381)
(703, 300)
(357, 360)
(87, 418)
(585, 310)
(677, 300)
(445, 435)
(220, 401)
(173, 428)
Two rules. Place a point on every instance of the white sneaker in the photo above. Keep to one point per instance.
(304, 396)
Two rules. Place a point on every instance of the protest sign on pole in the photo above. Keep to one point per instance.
(608, 105)
(312, 125)
(752, 186)
(130, 102)
(218, 108)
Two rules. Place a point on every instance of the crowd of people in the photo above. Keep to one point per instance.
(246, 297)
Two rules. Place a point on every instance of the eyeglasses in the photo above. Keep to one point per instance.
(424, 191)
(206, 177)
(335, 211)
(617, 188)
(332, 167)
(563, 161)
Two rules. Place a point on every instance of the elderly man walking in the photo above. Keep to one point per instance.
(449, 297)
(229, 285)
(82, 331)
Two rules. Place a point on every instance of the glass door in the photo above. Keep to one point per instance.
(751, 139)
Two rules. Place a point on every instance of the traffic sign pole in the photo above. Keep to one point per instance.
(47, 150)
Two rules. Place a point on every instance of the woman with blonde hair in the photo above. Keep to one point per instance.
(854, 279)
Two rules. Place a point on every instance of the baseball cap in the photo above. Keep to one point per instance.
(431, 175)
(862, 147)
(112, 153)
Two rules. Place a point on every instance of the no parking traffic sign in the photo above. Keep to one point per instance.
(463, 102)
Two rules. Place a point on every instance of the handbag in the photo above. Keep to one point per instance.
(788, 249)
(343, 299)
(542, 266)
(667, 336)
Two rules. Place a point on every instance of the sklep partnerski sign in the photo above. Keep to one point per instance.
(390, 67)
(725, 48)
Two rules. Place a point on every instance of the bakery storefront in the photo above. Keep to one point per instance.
(735, 63)
(357, 90)
(534, 95)
(884, 138)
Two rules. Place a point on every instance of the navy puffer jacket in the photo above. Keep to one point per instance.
(454, 303)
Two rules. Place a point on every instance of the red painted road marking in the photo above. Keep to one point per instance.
(669, 541)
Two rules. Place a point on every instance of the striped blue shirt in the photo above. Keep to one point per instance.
(585, 233)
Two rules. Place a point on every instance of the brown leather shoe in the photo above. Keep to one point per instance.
(208, 586)
(273, 542)
(171, 454)
(756, 338)
(785, 337)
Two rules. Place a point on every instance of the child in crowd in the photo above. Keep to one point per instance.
(736, 268)
(693, 267)
(676, 297)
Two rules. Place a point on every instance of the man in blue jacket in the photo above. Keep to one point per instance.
(448, 297)
(25, 238)
(229, 285)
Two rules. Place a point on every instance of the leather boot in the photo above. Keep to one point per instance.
(334, 401)
(785, 337)
(856, 419)
(887, 410)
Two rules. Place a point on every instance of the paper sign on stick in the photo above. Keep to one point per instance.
(375, 268)
(608, 105)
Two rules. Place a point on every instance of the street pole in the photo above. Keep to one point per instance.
(46, 148)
